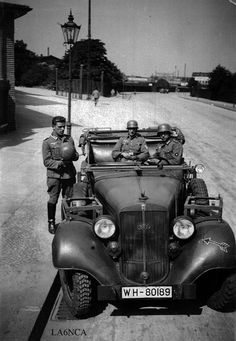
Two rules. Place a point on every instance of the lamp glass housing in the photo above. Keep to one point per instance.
(70, 31)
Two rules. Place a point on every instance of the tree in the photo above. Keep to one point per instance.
(24, 59)
(98, 62)
(194, 87)
(192, 83)
(162, 83)
(221, 84)
(36, 75)
(234, 88)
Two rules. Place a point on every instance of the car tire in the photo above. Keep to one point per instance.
(77, 292)
(198, 188)
(224, 300)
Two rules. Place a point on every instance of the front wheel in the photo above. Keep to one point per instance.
(77, 291)
(224, 300)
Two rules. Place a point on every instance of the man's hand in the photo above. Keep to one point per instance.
(129, 156)
(133, 157)
(63, 164)
(153, 161)
(125, 155)
(60, 164)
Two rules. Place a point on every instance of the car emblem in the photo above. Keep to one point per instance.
(143, 227)
(223, 246)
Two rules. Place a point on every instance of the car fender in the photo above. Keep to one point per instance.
(76, 247)
(213, 247)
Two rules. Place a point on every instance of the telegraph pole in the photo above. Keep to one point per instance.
(89, 39)
(81, 82)
(102, 82)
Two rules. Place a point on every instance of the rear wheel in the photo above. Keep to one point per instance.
(224, 300)
(78, 291)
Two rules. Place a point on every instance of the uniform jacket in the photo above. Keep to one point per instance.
(178, 135)
(95, 94)
(135, 146)
(170, 151)
(52, 158)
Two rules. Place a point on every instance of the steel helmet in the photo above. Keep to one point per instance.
(132, 124)
(67, 151)
(164, 128)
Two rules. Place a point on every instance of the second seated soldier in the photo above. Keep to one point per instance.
(133, 147)
(58, 153)
(170, 152)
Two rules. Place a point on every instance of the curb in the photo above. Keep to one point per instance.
(209, 102)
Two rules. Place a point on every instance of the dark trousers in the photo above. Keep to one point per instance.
(55, 187)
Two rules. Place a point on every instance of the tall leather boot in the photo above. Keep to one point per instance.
(51, 218)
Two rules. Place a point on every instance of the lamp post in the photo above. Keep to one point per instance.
(70, 32)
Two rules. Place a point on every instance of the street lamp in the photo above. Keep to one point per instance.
(70, 32)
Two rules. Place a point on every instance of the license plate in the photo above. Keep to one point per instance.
(147, 292)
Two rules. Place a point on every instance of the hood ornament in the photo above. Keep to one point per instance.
(143, 197)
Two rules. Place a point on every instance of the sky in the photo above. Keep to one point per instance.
(142, 37)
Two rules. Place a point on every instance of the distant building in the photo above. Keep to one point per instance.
(137, 79)
(51, 61)
(8, 13)
(201, 77)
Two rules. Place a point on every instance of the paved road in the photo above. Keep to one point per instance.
(26, 269)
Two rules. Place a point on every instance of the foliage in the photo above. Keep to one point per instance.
(31, 69)
(162, 83)
(98, 62)
(192, 83)
(222, 84)
(194, 87)
(24, 59)
(37, 75)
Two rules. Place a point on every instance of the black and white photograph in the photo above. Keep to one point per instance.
(117, 170)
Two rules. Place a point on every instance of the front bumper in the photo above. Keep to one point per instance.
(179, 292)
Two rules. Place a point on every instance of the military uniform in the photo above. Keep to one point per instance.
(178, 135)
(60, 174)
(170, 152)
(136, 146)
(96, 96)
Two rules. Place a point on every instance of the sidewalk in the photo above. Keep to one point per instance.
(26, 265)
(225, 105)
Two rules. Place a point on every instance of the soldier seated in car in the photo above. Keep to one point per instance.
(169, 152)
(133, 147)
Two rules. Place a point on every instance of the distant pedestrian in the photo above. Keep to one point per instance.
(113, 92)
(96, 96)
(58, 153)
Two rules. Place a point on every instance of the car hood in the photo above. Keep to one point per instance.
(127, 193)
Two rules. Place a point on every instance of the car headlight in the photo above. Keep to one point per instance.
(183, 228)
(104, 228)
(200, 168)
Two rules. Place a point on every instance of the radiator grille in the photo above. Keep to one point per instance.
(156, 235)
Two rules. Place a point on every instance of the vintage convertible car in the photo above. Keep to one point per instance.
(134, 232)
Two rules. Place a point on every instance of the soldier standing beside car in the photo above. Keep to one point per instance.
(169, 152)
(60, 171)
(131, 148)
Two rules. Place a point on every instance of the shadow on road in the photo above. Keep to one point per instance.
(23, 97)
(175, 309)
(27, 120)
